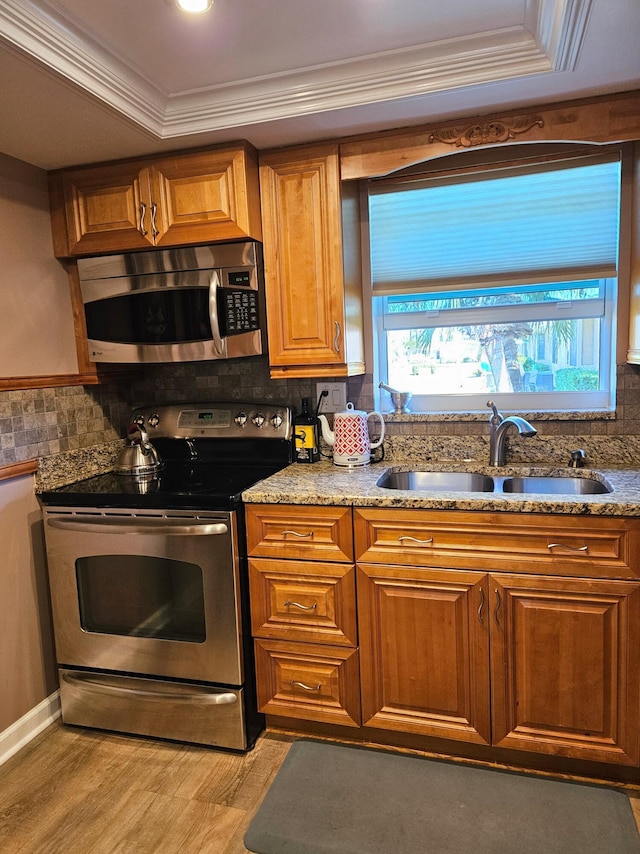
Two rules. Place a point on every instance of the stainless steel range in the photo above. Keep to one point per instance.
(148, 579)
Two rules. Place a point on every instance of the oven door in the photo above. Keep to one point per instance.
(146, 592)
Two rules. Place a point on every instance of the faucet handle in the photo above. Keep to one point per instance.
(496, 418)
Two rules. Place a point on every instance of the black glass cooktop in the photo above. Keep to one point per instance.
(179, 484)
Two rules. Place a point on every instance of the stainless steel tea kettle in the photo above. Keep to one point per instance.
(139, 458)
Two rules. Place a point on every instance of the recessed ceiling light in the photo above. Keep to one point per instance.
(194, 5)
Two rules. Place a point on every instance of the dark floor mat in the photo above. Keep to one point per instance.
(333, 799)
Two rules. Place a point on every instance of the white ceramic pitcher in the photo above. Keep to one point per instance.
(350, 437)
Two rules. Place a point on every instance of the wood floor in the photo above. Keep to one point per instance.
(75, 791)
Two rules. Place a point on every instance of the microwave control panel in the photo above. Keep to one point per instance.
(241, 311)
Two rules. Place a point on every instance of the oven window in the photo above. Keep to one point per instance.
(141, 596)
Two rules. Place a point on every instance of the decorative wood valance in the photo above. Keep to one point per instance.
(485, 133)
(615, 118)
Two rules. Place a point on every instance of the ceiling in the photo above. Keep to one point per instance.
(89, 80)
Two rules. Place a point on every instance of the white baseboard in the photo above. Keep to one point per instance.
(28, 726)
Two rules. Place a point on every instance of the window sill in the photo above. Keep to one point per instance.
(457, 417)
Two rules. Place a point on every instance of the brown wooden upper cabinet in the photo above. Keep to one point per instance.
(175, 200)
(312, 259)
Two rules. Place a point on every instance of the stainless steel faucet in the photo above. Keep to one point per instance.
(498, 431)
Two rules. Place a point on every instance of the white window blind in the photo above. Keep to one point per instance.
(558, 221)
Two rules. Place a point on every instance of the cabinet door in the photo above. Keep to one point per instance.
(424, 651)
(106, 209)
(303, 260)
(205, 197)
(564, 666)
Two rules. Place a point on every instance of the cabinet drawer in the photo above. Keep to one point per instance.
(303, 601)
(309, 681)
(562, 545)
(299, 531)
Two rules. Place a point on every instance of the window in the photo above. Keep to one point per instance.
(498, 282)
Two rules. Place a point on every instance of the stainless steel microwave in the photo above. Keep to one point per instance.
(175, 305)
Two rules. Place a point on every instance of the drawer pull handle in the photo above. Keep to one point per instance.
(301, 606)
(481, 606)
(295, 684)
(415, 540)
(143, 213)
(568, 547)
(496, 613)
(154, 228)
(296, 534)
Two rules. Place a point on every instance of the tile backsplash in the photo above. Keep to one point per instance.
(42, 422)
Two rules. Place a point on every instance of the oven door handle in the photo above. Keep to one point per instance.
(224, 698)
(128, 526)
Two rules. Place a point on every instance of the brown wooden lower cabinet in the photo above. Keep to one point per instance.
(303, 612)
(564, 666)
(514, 634)
(424, 651)
(548, 665)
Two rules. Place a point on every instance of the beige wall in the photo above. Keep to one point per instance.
(36, 339)
(27, 672)
(36, 327)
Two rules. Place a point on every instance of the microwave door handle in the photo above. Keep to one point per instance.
(214, 285)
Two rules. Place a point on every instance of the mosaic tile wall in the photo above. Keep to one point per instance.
(41, 422)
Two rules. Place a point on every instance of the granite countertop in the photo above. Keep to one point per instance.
(324, 483)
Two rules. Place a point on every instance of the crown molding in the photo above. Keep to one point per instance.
(421, 70)
(549, 40)
(560, 27)
(62, 47)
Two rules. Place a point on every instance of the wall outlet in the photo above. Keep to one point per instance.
(336, 400)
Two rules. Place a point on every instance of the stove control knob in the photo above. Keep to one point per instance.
(154, 420)
(276, 421)
(258, 419)
(241, 419)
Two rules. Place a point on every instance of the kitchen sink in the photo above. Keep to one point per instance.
(446, 481)
(459, 481)
(555, 485)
